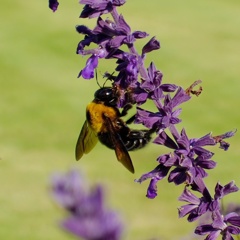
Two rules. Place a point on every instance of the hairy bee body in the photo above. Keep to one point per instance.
(104, 123)
(95, 113)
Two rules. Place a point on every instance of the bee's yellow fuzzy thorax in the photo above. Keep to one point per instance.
(96, 113)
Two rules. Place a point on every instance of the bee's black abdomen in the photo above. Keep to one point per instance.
(136, 139)
(132, 139)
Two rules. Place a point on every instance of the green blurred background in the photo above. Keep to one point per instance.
(42, 108)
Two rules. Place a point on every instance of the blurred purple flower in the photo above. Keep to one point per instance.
(232, 207)
(53, 4)
(88, 216)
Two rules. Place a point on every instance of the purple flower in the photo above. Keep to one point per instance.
(154, 79)
(134, 84)
(88, 70)
(128, 71)
(151, 86)
(166, 114)
(196, 207)
(152, 189)
(190, 158)
(53, 4)
(153, 44)
(157, 174)
(115, 33)
(105, 227)
(227, 226)
(221, 191)
(88, 217)
(188, 161)
(96, 8)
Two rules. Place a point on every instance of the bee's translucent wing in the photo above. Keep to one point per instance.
(86, 141)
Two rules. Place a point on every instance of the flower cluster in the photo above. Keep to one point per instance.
(188, 161)
(88, 216)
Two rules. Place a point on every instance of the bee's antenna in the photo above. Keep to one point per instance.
(109, 76)
(97, 79)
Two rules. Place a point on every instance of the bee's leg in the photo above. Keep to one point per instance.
(131, 119)
(125, 109)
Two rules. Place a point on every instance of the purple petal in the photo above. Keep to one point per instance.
(200, 172)
(107, 227)
(152, 188)
(224, 145)
(168, 160)
(179, 97)
(147, 118)
(88, 71)
(234, 220)
(233, 230)
(53, 4)
(83, 30)
(118, 2)
(207, 164)
(164, 139)
(159, 173)
(187, 196)
(221, 191)
(178, 176)
(153, 44)
(139, 34)
(204, 229)
(230, 188)
(185, 209)
(200, 186)
(140, 96)
(68, 189)
(122, 26)
(116, 42)
(169, 87)
(204, 141)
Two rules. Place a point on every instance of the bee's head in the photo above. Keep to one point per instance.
(107, 95)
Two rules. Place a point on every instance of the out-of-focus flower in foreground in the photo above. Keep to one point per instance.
(88, 217)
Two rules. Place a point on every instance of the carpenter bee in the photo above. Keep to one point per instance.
(104, 123)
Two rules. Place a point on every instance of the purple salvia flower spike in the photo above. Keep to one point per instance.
(189, 159)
